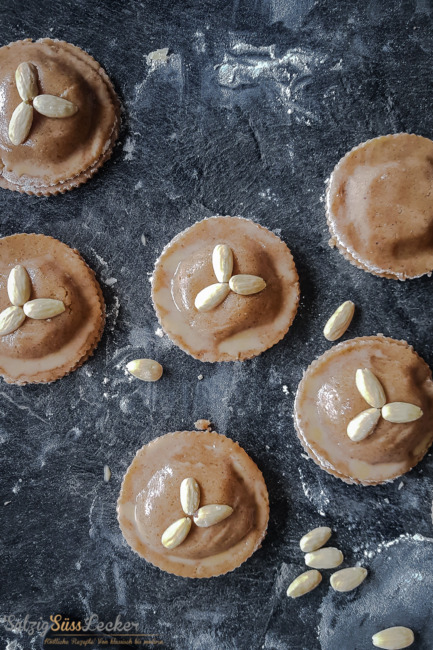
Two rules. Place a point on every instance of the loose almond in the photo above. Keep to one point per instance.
(43, 308)
(21, 123)
(189, 495)
(19, 286)
(246, 285)
(315, 539)
(212, 514)
(176, 533)
(363, 425)
(222, 262)
(325, 558)
(26, 79)
(348, 579)
(370, 388)
(400, 412)
(10, 319)
(211, 296)
(304, 583)
(52, 106)
(393, 638)
(339, 321)
(145, 369)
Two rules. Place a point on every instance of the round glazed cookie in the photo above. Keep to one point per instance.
(58, 153)
(150, 502)
(328, 399)
(241, 326)
(380, 206)
(43, 348)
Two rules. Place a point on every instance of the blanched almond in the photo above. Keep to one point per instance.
(339, 321)
(52, 106)
(19, 285)
(304, 583)
(145, 369)
(26, 79)
(222, 262)
(348, 579)
(176, 533)
(21, 123)
(393, 638)
(400, 412)
(189, 495)
(10, 319)
(370, 388)
(325, 558)
(43, 308)
(212, 514)
(315, 539)
(246, 285)
(363, 424)
(211, 296)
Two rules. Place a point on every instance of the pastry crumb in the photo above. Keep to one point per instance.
(401, 485)
(159, 332)
(6, 503)
(200, 377)
(285, 390)
(203, 425)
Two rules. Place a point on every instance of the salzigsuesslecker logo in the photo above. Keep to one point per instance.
(62, 629)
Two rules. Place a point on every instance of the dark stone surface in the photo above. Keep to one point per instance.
(255, 105)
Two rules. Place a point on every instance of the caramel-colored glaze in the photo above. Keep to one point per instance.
(149, 502)
(59, 153)
(380, 206)
(327, 400)
(45, 350)
(241, 326)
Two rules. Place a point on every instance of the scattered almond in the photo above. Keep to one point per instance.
(363, 424)
(19, 286)
(400, 412)
(26, 79)
(315, 539)
(189, 495)
(222, 262)
(52, 106)
(339, 321)
(211, 296)
(393, 638)
(304, 583)
(10, 319)
(246, 285)
(176, 533)
(370, 388)
(145, 369)
(21, 123)
(325, 558)
(212, 514)
(348, 579)
(43, 308)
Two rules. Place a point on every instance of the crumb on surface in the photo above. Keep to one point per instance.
(107, 473)
(159, 332)
(203, 425)
(200, 377)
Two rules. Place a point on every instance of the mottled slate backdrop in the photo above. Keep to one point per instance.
(255, 104)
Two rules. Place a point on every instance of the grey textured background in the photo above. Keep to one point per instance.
(256, 103)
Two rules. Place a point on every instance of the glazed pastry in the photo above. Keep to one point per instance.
(380, 206)
(225, 289)
(366, 435)
(59, 116)
(52, 309)
(193, 503)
